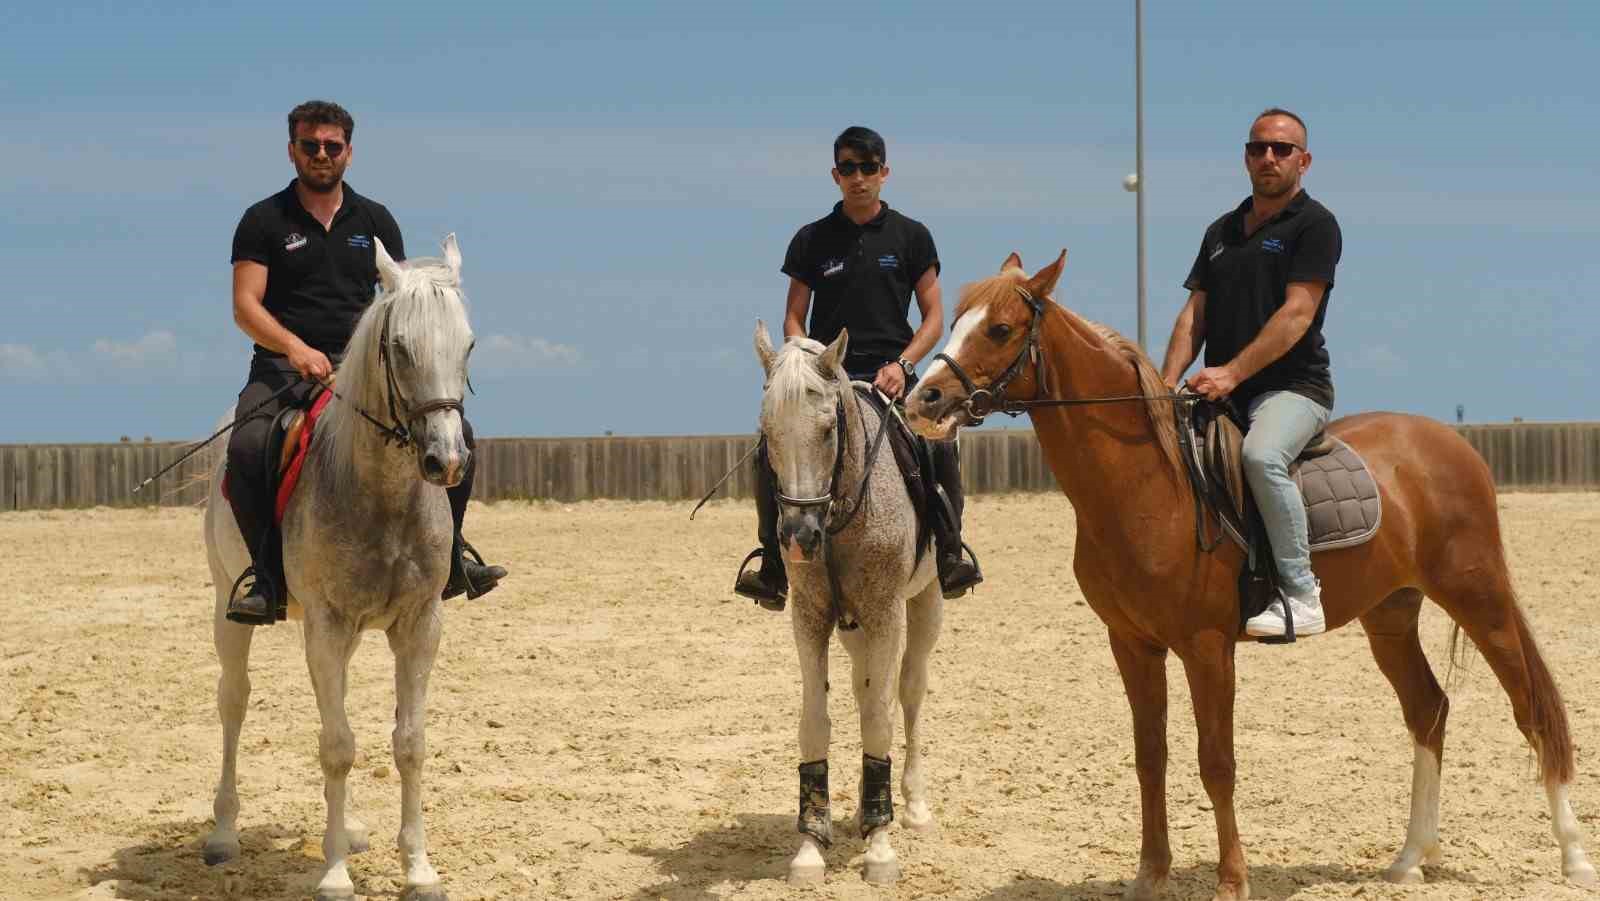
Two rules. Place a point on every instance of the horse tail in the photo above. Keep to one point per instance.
(1546, 725)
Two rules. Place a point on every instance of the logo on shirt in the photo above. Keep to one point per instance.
(361, 241)
(832, 268)
(1273, 245)
(295, 241)
(888, 261)
(1217, 251)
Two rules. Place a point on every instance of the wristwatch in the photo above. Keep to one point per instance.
(908, 367)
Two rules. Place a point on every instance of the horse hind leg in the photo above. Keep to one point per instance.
(1391, 629)
(414, 651)
(924, 616)
(1481, 601)
(232, 642)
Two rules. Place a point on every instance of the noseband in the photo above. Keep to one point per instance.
(825, 501)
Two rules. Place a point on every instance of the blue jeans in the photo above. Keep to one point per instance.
(1281, 424)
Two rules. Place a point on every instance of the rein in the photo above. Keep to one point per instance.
(981, 402)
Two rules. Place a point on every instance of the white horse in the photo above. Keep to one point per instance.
(818, 434)
(366, 545)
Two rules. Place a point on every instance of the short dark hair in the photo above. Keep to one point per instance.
(321, 112)
(1280, 111)
(862, 140)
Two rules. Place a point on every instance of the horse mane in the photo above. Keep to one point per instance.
(427, 307)
(794, 373)
(1151, 385)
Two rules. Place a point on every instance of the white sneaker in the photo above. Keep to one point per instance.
(1308, 618)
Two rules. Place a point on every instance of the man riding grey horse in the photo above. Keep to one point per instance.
(303, 272)
(862, 263)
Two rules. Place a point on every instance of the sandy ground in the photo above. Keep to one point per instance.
(613, 723)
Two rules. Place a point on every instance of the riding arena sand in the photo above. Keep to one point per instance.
(614, 723)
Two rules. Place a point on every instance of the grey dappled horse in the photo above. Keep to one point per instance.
(818, 434)
(366, 545)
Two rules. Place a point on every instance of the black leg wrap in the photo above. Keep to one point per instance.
(815, 818)
(877, 801)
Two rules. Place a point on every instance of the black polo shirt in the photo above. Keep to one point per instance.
(1246, 280)
(861, 278)
(319, 281)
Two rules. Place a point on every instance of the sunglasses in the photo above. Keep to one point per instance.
(1280, 149)
(848, 168)
(310, 147)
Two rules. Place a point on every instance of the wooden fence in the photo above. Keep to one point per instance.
(1541, 456)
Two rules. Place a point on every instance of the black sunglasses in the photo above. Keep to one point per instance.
(848, 168)
(310, 148)
(1280, 149)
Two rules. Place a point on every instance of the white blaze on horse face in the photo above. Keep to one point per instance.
(969, 322)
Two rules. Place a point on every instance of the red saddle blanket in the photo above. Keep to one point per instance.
(289, 472)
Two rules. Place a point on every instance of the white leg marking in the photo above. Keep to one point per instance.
(1574, 863)
(1422, 835)
(807, 866)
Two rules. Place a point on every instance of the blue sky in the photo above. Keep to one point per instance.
(624, 178)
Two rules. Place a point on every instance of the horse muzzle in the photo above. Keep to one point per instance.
(801, 538)
(445, 469)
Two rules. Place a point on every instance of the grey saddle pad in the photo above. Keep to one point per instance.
(1342, 504)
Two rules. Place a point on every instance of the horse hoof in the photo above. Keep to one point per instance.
(1232, 892)
(423, 893)
(1401, 875)
(1582, 874)
(219, 852)
(336, 894)
(883, 872)
(917, 816)
(1144, 888)
(806, 873)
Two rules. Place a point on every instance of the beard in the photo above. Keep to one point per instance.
(320, 181)
(1267, 186)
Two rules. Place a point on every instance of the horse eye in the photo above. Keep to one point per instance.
(999, 331)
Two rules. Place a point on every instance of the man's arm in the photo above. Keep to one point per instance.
(1286, 326)
(891, 379)
(1280, 333)
(1188, 336)
(795, 307)
(249, 290)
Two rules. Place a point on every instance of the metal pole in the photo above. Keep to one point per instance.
(1138, 159)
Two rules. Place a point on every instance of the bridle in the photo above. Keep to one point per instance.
(826, 501)
(398, 429)
(981, 402)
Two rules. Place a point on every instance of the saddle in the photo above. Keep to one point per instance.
(1343, 507)
(915, 461)
(287, 442)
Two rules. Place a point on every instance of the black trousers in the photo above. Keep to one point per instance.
(252, 477)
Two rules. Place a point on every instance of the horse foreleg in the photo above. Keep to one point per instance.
(233, 697)
(1144, 678)
(815, 821)
(1209, 667)
(329, 645)
(924, 615)
(1392, 632)
(414, 648)
(874, 666)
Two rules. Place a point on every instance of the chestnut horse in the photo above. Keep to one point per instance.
(1138, 565)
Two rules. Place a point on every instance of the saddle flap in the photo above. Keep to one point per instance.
(909, 452)
(290, 424)
(1223, 445)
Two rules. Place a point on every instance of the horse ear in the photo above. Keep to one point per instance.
(833, 357)
(764, 351)
(1012, 262)
(1044, 281)
(388, 269)
(452, 254)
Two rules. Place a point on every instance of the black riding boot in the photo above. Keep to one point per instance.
(957, 574)
(257, 605)
(468, 572)
(769, 585)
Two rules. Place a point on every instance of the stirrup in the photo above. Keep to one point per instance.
(472, 589)
(241, 617)
(774, 603)
(961, 590)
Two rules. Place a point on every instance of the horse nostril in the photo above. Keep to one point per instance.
(432, 466)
